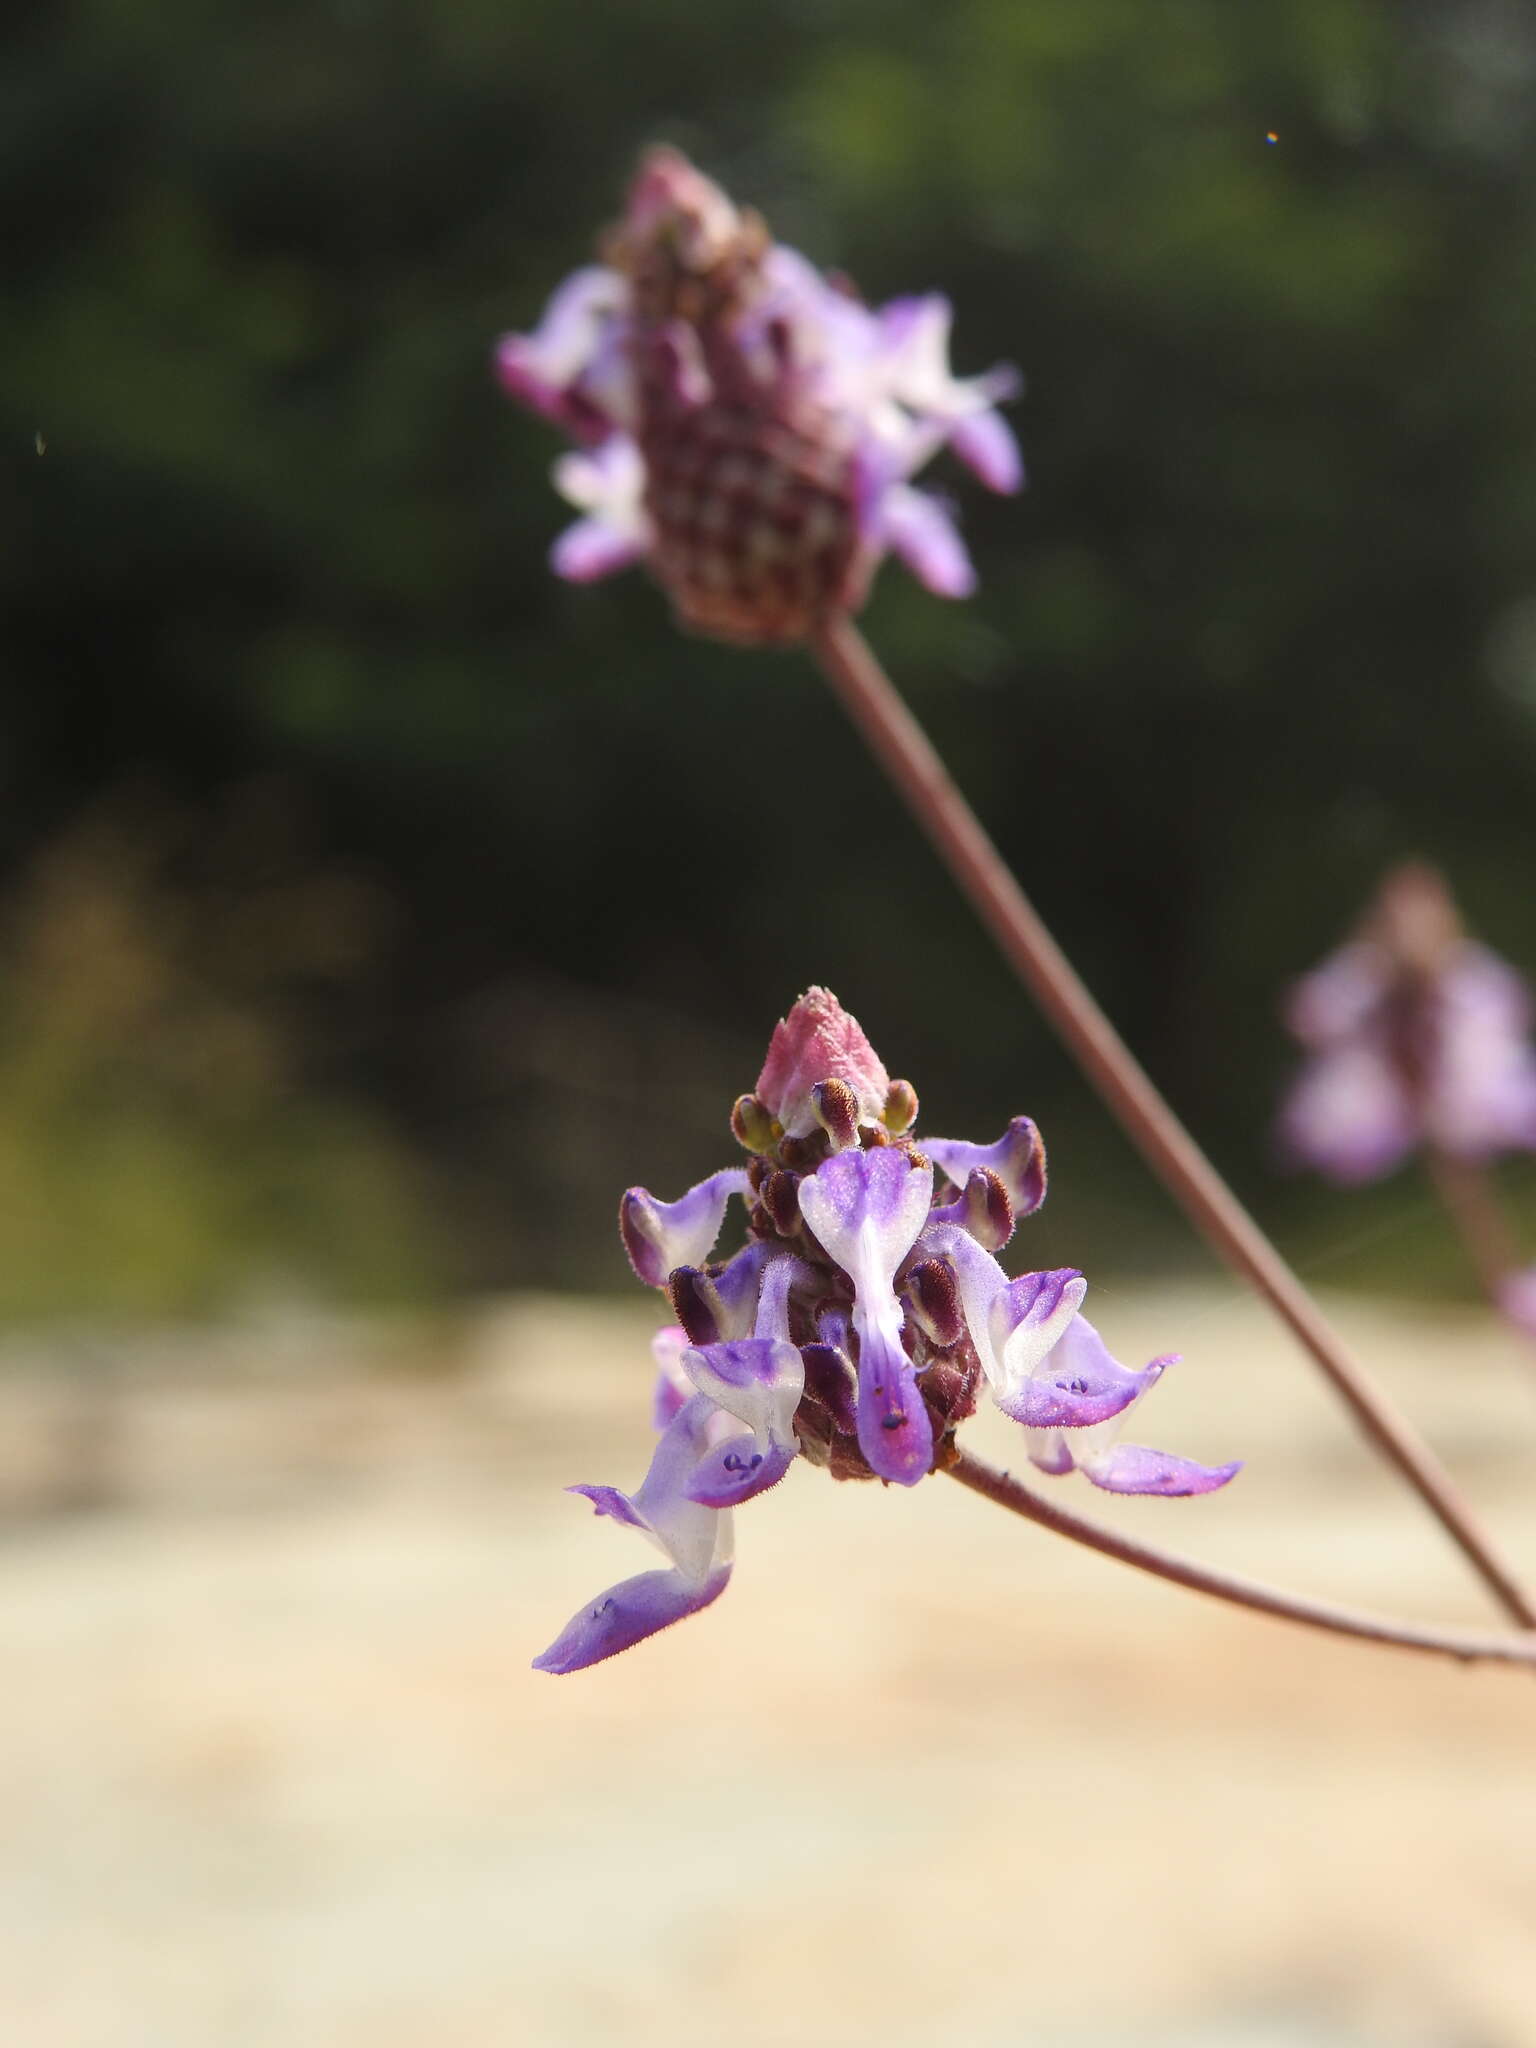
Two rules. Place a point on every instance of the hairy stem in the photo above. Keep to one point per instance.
(1464, 1645)
(902, 748)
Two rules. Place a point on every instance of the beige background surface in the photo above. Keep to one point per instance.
(275, 1773)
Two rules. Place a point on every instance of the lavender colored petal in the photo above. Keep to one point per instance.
(738, 1470)
(1048, 1451)
(1029, 1319)
(736, 1290)
(607, 483)
(570, 368)
(866, 1209)
(1481, 1092)
(1068, 1381)
(780, 1275)
(1348, 1115)
(673, 1387)
(1130, 1468)
(759, 1380)
(591, 550)
(607, 1500)
(988, 447)
(660, 1236)
(1336, 1001)
(918, 528)
(895, 1429)
(626, 1614)
(1017, 1158)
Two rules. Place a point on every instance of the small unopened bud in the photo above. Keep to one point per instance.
(804, 1155)
(988, 1211)
(752, 1126)
(690, 1295)
(829, 1381)
(837, 1111)
(900, 1111)
(933, 1296)
(781, 1198)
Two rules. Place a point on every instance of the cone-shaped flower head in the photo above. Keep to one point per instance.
(856, 1325)
(1415, 1036)
(749, 428)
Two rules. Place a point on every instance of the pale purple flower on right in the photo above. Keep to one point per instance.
(1416, 1036)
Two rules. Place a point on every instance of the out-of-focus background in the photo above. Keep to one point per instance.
(373, 909)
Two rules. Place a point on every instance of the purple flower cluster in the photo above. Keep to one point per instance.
(1415, 1036)
(746, 426)
(854, 1328)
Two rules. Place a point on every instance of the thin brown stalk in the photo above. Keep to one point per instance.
(1469, 1201)
(1463, 1645)
(899, 743)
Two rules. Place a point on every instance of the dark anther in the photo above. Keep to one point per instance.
(1071, 1386)
(781, 1198)
(689, 1291)
(893, 1422)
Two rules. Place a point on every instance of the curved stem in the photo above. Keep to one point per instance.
(903, 749)
(1464, 1645)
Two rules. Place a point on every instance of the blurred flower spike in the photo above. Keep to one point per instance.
(1415, 1036)
(748, 428)
(854, 1328)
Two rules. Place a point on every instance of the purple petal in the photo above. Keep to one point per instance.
(985, 443)
(780, 1275)
(660, 1236)
(919, 529)
(982, 1209)
(625, 1615)
(1129, 1468)
(759, 1380)
(1348, 1114)
(673, 1386)
(608, 1500)
(592, 549)
(866, 1209)
(1481, 1094)
(1017, 1158)
(1048, 1452)
(569, 368)
(1336, 1000)
(738, 1470)
(895, 1430)
(1074, 1382)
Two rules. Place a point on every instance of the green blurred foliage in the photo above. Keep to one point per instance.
(1265, 621)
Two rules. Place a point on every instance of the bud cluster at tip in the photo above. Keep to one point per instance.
(746, 427)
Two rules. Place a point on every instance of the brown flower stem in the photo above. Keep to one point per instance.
(903, 749)
(1469, 1201)
(1464, 1645)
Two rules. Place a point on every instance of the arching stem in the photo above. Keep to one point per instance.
(1463, 1645)
(903, 749)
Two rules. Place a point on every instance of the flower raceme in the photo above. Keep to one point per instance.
(854, 1328)
(745, 426)
(1415, 1035)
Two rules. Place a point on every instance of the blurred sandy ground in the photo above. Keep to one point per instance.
(275, 1773)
